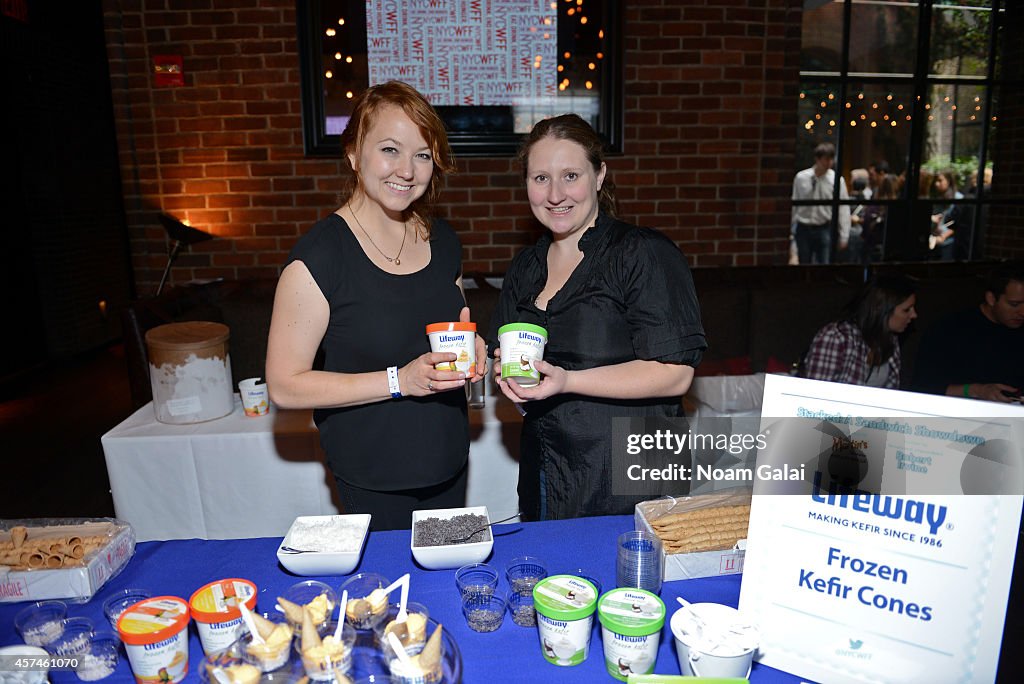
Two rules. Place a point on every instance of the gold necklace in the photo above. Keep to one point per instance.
(391, 260)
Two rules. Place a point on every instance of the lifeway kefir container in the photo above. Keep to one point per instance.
(521, 345)
(215, 609)
(631, 622)
(155, 635)
(456, 338)
(565, 607)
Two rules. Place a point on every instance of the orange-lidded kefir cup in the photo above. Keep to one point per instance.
(215, 609)
(458, 339)
(155, 635)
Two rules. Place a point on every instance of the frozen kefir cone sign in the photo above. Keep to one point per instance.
(891, 561)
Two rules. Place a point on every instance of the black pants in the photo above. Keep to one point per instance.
(393, 510)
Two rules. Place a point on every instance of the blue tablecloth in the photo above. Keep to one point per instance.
(511, 654)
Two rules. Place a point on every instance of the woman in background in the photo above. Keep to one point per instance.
(623, 323)
(862, 347)
(363, 283)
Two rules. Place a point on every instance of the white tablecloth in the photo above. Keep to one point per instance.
(238, 477)
(229, 478)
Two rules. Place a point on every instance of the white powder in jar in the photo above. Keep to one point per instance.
(329, 535)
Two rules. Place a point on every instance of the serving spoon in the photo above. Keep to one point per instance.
(460, 540)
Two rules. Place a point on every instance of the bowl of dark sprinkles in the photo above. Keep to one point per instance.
(436, 535)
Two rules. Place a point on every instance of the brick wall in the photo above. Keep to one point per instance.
(709, 125)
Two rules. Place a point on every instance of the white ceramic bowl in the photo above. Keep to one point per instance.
(324, 562)
(450, 555)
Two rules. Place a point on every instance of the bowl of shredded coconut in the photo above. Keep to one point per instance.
(324, 544)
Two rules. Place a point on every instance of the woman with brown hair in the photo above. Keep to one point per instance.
(363, 284)
(862, 347)
(623, 324)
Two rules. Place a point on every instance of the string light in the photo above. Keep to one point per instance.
(337, 55)
(590, 85)
(853, 123)
(331, 33)
(348, 60)
(583, 20)
(341, 22)
(329, 74)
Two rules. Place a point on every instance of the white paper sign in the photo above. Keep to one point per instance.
(897, 587)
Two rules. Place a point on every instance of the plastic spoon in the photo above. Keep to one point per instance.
(399, 650)
(250, 623)
(402, 582)
(341, 615)
(466, 538)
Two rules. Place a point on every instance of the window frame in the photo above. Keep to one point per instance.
(474, 143)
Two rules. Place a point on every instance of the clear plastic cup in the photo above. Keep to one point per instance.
(364, 611)
(267, 657)
(639, 561)
(413, 636)
(305, 593)
(114, 606)
(520, 605)
(339, 654)
(476, 579)
(41, 622)
(76, 635)
(524, 572)
(100, 660)
(484, 612)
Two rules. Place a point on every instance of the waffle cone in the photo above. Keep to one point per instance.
(310, 637)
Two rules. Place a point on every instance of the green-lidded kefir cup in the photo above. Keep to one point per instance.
(565, 607)
(631, 622)
(521, 345)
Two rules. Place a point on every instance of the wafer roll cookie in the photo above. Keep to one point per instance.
(18, 536)
(725, 521)
(699, 514)
(707, 529)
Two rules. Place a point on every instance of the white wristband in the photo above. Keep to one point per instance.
(393, 387)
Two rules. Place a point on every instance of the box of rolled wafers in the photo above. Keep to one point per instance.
(702, 536)
(61, 558)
